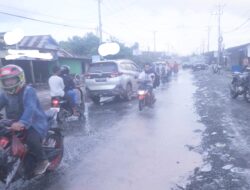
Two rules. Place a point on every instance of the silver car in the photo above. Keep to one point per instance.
(112, 78)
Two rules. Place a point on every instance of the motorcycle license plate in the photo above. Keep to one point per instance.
(141, 97)
(55, 109)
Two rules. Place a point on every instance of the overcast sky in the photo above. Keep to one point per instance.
(181, 25)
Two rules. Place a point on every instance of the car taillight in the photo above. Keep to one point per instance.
(55, 103)
(4, 142)
(116, 74)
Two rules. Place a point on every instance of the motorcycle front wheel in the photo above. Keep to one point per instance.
(141, 105)
(54, 141)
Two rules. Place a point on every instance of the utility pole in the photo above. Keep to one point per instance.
(208, 37)
(100, 20)
(219, 34)
(154, 41)
(203, 47)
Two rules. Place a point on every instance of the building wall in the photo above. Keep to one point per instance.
(41, 73)
(75, 65)
(235, 56)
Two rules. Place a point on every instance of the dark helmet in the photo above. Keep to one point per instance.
(65, 69)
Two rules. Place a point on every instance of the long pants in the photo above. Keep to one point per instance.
(34, 142)
(73, 96)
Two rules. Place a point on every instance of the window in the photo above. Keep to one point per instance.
(106, 67)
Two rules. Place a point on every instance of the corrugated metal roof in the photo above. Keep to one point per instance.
(45, 42)
(64, 54)
(238, 47)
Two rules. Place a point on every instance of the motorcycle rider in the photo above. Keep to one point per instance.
(245, 65)
(23, 107)
(69, 88)
(56, 83)
(148, 76)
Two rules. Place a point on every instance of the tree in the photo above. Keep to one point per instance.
(125, 51)
(81, 46)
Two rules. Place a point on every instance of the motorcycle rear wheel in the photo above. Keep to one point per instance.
(233, 92)
(61, 119)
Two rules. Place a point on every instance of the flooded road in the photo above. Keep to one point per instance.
(140, 150)
(195, 138)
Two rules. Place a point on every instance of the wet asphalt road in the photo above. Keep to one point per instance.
(119, 147)
(141, 150)
(196, 138)
(226, 138)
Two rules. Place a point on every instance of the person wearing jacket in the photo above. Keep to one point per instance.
(23, 107)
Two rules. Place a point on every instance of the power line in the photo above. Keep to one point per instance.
(238, 27)
(45, 21)
(41, 14)
(120, 9)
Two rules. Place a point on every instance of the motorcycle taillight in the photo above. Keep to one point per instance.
(55, 103)
(4, 141)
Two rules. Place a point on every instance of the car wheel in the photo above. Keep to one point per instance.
(96, 99)
(129, 92)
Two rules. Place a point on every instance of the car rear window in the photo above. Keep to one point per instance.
(107, 67)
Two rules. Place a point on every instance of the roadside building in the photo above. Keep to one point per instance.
(38, 70)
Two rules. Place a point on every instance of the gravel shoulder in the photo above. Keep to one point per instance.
(226, 138)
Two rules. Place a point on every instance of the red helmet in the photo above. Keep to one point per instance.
(15, 73)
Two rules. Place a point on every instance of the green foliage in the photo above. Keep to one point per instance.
(87, 46)
(81, 46)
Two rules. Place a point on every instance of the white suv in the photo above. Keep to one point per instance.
(112, 78)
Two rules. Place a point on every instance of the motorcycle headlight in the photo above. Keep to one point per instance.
(141, 92)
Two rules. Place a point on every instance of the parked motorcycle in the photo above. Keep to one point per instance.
(65, 111)
(16, 161)
(144, 96)
(247, 84)
(216, 68)
(239, 85)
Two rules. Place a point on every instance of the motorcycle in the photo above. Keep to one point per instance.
(247, 85)
(239, 85)
(65, 111)
(144, 96)
(16, 161)
(216, 68)
(176, 68)
(164, 76)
